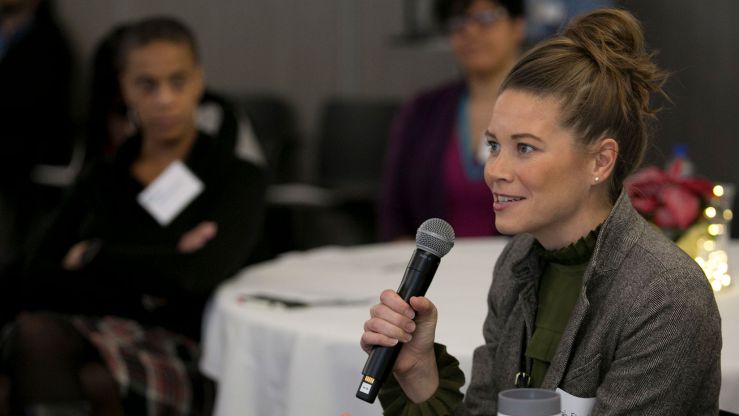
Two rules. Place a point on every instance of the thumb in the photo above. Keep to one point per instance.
(426, 316)
(425, 310)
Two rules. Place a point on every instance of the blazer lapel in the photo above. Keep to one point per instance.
(561, 358)
(527, 272)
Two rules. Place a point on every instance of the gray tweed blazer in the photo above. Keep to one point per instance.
(644, 337)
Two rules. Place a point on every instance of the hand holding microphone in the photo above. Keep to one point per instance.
(392, 337)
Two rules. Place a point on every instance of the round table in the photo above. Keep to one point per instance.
(270, 358)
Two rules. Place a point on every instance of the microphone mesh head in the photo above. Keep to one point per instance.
(435, 236)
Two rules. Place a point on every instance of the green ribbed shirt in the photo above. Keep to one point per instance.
(559, 288)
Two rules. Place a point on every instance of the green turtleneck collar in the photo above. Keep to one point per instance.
(578, 252)
(559, 288)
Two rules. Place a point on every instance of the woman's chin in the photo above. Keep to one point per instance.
(166, 136)
(507, 229)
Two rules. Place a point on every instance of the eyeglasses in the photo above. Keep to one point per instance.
(483, 19)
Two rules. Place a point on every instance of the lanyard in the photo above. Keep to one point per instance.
(473, 167)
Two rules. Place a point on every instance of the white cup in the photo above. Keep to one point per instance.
(528, 402)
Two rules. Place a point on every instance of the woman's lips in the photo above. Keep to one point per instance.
(502, 201)
(166, 122)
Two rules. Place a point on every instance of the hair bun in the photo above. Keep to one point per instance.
(612, 32)
(614, 40)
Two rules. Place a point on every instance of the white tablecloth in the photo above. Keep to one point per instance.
(274, 360)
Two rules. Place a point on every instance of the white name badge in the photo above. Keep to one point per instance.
(575, 406)
(170, 193)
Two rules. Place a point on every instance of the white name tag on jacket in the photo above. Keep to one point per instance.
(575, 406)
(170, 192)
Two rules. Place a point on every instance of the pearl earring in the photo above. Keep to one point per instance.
(597, 179)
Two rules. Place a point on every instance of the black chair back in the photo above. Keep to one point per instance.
(352, 139)
(273, 120)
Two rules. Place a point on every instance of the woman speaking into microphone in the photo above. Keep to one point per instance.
(587, 298)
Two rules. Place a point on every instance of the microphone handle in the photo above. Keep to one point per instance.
(416, 281)
(418, 274)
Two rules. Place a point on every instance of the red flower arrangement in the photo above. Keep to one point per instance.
(671, 201)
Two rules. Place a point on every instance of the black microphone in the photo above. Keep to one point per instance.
(434, 239)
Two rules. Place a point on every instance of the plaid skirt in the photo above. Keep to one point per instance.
(156, 369)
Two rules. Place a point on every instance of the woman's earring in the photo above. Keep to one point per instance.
(597, 178)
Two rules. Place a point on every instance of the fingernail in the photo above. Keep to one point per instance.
(395, 341)
(410, 327)
(410, 337)
(411, 313)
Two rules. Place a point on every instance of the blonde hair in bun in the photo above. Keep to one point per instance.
(600, 71)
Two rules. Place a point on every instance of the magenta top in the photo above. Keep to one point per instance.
(469, 202)
(419, 170)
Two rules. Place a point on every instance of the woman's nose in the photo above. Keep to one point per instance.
(165, 95)
(497, 168)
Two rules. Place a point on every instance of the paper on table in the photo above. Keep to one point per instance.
(296, 298)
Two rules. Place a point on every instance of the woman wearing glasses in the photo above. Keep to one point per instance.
(436, 153)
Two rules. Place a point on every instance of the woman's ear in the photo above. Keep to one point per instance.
(605, 153)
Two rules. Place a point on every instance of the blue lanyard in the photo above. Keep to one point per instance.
(472, 168)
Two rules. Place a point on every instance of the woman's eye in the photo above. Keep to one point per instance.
(178, 82)
(525, 148)
(493, 147)
(146, 85)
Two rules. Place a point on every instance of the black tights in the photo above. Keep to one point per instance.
(48, 361)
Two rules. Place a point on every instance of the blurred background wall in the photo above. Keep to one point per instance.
(699, 43)
(303, 50)
(308, 51)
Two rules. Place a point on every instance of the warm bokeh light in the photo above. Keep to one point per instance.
(715, 266)
(710, 238)
(709, 245)
(718, 190)
(715, 229)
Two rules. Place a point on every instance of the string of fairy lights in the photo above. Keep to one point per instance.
(711, 251)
